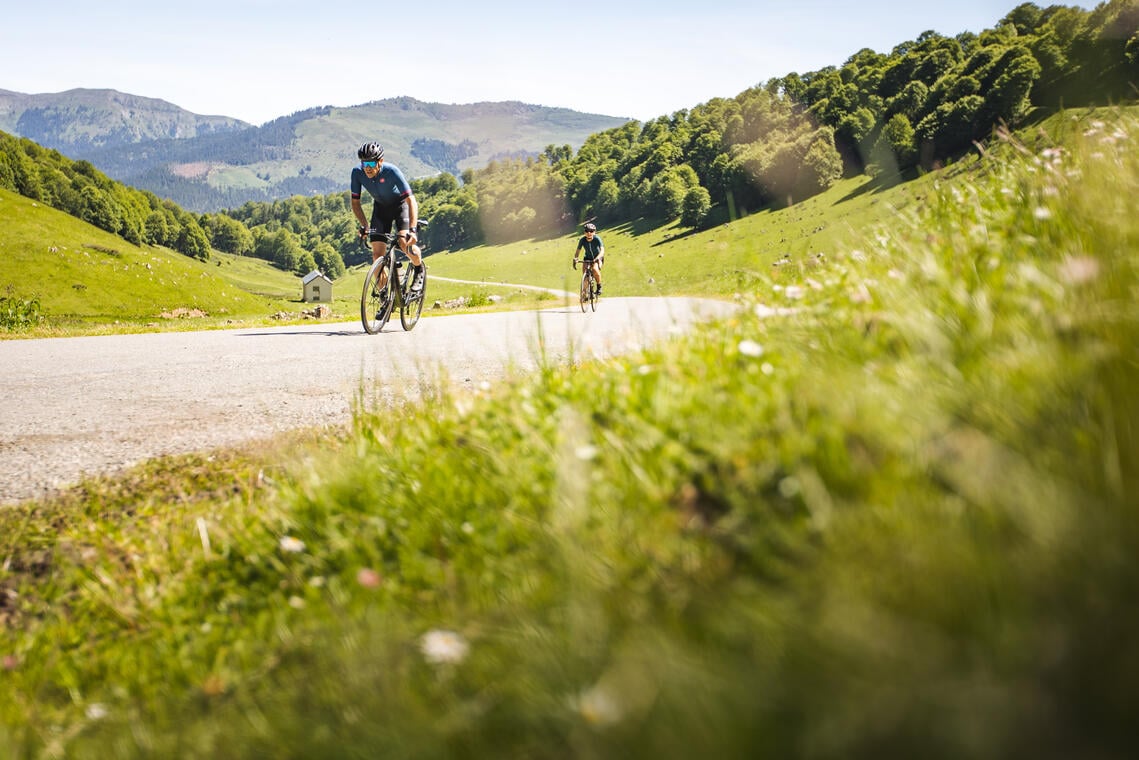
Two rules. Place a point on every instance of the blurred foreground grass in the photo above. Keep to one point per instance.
(888, 510)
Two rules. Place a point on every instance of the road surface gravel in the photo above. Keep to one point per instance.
(72, 407)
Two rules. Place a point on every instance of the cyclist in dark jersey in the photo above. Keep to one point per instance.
(392, 202)
(594, 252)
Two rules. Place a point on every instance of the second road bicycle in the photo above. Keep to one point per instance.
(588, 294)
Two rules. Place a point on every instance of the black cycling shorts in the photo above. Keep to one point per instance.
(384, 216)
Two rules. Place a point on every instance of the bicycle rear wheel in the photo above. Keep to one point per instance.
(411, 305)
(376, 302)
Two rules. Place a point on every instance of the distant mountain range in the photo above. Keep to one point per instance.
(207, 163)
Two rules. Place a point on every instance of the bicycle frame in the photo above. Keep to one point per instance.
(588, 292)
(380, 300)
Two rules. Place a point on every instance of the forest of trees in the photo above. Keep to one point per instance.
(79, 189)
(911, 109)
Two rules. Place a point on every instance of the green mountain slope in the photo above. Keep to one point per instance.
(312, 152)
(83, 276)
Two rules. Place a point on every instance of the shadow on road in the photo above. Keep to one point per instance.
(314, 333)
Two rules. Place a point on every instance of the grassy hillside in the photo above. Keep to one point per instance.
(643, 259)
(87, 280)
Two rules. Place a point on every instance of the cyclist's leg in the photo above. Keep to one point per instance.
(381, 225)
(403, 224)
(596, 265)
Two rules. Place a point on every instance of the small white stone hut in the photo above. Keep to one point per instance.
(317, 288)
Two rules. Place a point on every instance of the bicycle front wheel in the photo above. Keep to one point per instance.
(376, 302)
(411, 305)
(585, 289)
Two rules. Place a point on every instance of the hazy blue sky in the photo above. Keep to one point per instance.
(259, 59)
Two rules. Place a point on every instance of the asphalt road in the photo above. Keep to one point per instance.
(76, 406)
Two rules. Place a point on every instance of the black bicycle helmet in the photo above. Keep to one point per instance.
(590, 227)
(371, 151)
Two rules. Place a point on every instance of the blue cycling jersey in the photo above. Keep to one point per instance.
(388, 188)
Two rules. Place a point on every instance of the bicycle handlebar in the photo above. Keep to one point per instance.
(364, 234)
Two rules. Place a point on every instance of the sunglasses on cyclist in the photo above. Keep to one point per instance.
(369, 164)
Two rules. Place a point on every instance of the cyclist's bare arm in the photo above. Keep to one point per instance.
(358, 212)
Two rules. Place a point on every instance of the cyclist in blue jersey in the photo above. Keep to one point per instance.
(594, 249)
(392, 203)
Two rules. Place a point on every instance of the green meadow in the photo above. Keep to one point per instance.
(889, 509)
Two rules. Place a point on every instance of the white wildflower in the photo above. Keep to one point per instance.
(96, 711)
(1042, 212)
(793, 292)
(296, 602)
(599, 707)
(767, 369)
(750, 348)
(441, 647)
(292, 545)
(1076, 270)
(586, 452)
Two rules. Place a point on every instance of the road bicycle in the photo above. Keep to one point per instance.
(590, 292)
(377, 302)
